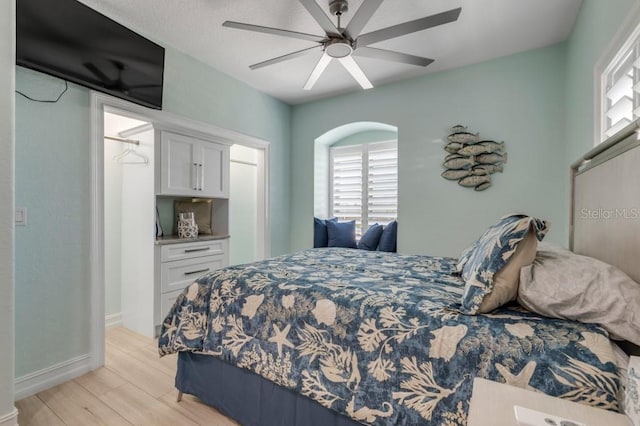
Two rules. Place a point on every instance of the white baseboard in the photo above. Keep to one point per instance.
(9, 419)
(113, 320)
(46, 378)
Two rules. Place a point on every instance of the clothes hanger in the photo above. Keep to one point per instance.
(141, 158)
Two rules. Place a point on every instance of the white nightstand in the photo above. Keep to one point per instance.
(492, 405)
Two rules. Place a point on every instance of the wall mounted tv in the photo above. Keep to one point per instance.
(69, 40)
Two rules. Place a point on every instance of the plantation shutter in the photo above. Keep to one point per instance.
(346, 189)
(364, 184)
(382, 186)
(621, 103)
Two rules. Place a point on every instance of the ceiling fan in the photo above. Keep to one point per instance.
(344, 43)
(118, 82)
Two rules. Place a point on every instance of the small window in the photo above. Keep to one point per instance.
(620, 88)
(363, 184)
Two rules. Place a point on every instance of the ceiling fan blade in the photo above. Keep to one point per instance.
(321, 18)
(274, 31)
(361, 17)
(317, 71)
(388, 55)
(283, 57)
(409, 27)
(356, 72)
(97, 72)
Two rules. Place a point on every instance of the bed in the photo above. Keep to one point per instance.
(344, 337)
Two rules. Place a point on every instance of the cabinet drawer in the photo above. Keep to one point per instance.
(166, 302)
(178, 274)
(181, 251)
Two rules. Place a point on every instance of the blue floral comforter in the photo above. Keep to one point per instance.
(379, 337)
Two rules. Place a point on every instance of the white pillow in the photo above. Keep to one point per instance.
(562, 284)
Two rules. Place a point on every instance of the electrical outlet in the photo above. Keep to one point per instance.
(21, 216)
(528, 417)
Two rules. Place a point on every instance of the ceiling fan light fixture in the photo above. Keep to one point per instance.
(338, 48)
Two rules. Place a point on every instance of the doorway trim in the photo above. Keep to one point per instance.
(101, 103)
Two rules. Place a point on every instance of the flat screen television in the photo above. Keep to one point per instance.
(69, 40)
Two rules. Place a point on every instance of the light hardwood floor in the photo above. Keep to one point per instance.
(134, 387)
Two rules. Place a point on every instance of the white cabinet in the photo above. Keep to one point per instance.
(180, 264)
(193, 167)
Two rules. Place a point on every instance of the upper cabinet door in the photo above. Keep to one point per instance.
(193, 167)
(214, 176)
(179, 165)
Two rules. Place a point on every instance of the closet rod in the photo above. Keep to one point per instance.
(131, 141)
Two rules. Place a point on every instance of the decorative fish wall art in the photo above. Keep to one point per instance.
(471, 160)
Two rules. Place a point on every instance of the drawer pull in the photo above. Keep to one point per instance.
(197, 249)
(200, 271)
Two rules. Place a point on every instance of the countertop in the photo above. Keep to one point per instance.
(174, 239)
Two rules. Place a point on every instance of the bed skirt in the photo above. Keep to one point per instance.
(247, 397)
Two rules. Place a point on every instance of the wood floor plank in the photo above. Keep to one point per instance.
(100, 381)
(149, 354)
(33, 412)
(77, 406)
(196, 410)
(135, 384)
(126, 340)
(148, 378)
(140, 408)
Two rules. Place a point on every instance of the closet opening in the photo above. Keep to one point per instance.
(129, 221)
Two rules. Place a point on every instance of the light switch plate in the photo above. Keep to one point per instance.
(21, 216)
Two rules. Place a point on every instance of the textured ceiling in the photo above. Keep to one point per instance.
(486, 29)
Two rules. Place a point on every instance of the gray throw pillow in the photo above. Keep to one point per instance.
(562, 284)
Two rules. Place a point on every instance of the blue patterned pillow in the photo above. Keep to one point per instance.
(491, 253)
(464, 257)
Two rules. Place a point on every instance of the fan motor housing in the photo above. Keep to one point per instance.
(338, 7)
(338, 48)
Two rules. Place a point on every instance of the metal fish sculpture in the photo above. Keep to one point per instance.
(484, 169)
(464, 137)
(492, 146)
(477, 171)
(484, 147)
(453, 147)
(458, 128)
(455, 174)
(459, 163)
(493, 158)
(473, 181)
(482, 186)
(454, 155)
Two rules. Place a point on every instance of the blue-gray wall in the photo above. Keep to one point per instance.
(518, 99)
(7, 118)
(53, 178)
(595, 27)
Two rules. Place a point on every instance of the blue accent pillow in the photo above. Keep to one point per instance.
(369, 241)
(388, 238)
(320, 237)
(341, 234)
(491, 252)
